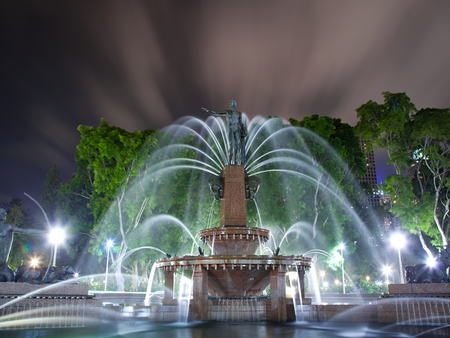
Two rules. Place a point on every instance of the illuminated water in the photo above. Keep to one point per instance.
(235, 330)
(298, 170)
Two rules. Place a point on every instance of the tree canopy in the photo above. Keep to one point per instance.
(418, 146)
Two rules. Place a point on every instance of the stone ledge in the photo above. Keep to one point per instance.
(9, 288)
(419, 288)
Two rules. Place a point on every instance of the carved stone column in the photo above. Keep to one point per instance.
(200, 307)
(301, 280)
(278, 312)
(233, 206)
(168, 284)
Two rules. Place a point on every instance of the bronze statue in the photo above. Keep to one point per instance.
(6, 239)
(237, 132)
(251, 187)
(216, 186)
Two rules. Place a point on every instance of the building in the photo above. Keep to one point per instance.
(371, 176)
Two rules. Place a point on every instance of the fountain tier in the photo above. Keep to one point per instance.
(236, 275)
(234, 240)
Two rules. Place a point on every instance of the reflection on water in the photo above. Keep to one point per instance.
(235, 330)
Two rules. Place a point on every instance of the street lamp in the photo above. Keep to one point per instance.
(398, 241)
(56, 236)
(387, 271)
(322, 274)
(431, 262)
(342, 247)
(34, 262)
(109, 244)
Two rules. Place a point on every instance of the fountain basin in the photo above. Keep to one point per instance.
(234, 240)
(236, 275)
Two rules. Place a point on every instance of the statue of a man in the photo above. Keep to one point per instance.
(6, 239)
(237, 132)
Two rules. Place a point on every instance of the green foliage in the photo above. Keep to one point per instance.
(340, 136)
(109, 161)
(418, 142)
(388, 126)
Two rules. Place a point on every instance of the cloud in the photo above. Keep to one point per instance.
(143, 64)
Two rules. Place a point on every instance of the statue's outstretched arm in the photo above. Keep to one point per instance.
(28, 231)
(223, 112)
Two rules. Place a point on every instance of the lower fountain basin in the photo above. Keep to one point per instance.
(236, 275)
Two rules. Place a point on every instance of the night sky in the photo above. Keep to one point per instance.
(143, 64)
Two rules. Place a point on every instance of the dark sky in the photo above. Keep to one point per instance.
(143, 64)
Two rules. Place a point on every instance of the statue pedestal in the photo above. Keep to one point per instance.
(233, 206)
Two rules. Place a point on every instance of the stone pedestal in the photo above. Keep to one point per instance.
(233, 206)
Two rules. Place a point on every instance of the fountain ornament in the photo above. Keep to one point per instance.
(233, 270)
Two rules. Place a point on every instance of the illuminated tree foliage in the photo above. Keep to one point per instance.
(118, 181)
(109, 160)
(419, 148)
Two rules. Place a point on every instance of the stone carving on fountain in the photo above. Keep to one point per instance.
(233, 270)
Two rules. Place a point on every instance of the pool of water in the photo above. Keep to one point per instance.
(233, 330)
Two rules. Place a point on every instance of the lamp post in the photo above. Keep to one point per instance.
(56, 236)
(109, 244)
(398, 241)
(342, 247)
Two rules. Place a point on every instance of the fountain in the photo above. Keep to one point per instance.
(233, 271)
(235, 276)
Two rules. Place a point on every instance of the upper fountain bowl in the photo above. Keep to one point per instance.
(234, 240)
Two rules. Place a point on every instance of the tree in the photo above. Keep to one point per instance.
(50, 198)
(110, 160)
(418, 142)
(431, 170)
(388, 126)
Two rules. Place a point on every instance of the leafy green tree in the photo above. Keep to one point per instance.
(109, 160)
(418, 142)
(388, 126)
